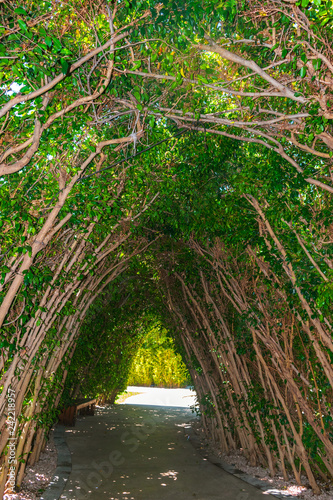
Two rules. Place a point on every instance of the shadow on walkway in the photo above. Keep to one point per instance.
(128, 452)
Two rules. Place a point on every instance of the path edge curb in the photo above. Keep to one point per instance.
(215, 460)
(64, 466)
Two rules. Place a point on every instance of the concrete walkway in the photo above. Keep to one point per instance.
(128, 452)
(158, 396)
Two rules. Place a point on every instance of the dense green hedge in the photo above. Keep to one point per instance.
(156, 362)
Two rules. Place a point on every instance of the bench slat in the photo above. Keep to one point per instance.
(68, 415)
(87, 403)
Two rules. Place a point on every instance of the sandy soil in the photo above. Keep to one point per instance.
(277, 483)
(39, 476)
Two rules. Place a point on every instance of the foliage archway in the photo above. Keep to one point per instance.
(195, 143)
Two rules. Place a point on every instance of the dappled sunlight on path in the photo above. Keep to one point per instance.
(132, 452)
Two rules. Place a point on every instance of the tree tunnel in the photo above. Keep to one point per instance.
(169, 164)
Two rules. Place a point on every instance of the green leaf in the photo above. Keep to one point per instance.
(179, 79)
(137, 96)
(325, 21)
(303, 72)
(56, 43)
(64, 66)
(22, 25)
(137, 65)
(48, 41)
(20, 10)
(316, 64)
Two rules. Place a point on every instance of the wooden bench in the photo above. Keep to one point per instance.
(77, 407)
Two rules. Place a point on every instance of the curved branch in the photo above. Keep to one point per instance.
(206, 85)
(23, 98)
(223, 121)
(230, 56)
(18, 165)
(306, 148)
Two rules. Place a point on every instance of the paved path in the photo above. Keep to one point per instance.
(161, 397)
(128, 452)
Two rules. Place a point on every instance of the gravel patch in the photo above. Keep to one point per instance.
(279, 485)
(38, 477)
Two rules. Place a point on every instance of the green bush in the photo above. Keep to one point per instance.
(156, 362)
